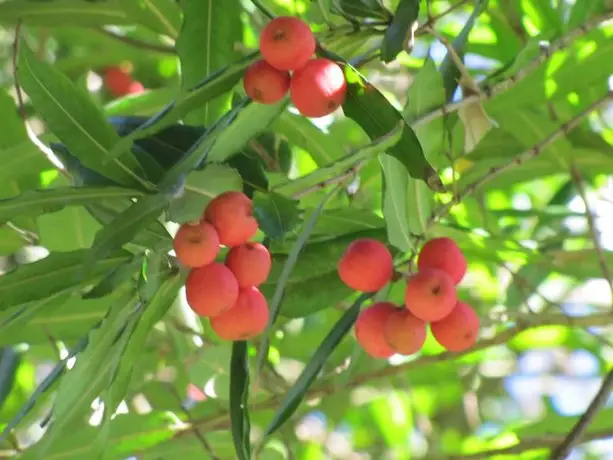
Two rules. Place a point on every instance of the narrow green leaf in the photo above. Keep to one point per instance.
(368, 107)
(10, 360)
(297, 392)
(141, 104)
(54, 273)
(126, 225)
(75, 120)
(13, 132)
(206, 44)
(275, 303)
(67, 230)
(362, 9)
(64, 13)
(448, 69)
(343, 165)
(276, 214)
(201, 186)
(36, 202)
(162, 16)
(251, 121)
(397, 32)
(208, 89)
(239, 397)
(395, 203)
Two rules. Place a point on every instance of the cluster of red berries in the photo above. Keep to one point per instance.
(384, 328)
(317, 86)
(226, 293)
(120, 83)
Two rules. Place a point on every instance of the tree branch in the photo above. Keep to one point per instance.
(604, 267)
(575, 435)
(520, 159)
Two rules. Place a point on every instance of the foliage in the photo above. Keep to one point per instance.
(486, 121)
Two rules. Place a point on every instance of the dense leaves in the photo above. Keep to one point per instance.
(487, 122)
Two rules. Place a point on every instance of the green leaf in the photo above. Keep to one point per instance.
(67, 230)
(140, 104)
(63, 13)
(54, 273)
(36, 202)
(363, 9)
(200, 188)
(342, 221)
(397, 32)
(298, 391)
(208, 89)
(251, 121)
(13, 132)
(276, 214)
(368, 107)
(277, 298)
(206, 44)
(162, 16)
(76, 121)
(126, 225)
(301, 131)
(448, 69)
(10, 360)
(239, 397)
(497, 143)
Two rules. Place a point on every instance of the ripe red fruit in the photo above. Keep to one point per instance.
(231, 213)
(250, 263)
(459, 330)
(366, 265)
(405, 332)
(136, 87)
(246, 319)
(265, 84)
(287, 43)
(318, 88)
(369, 329)
(443, 254)
(211, 290)
(117, 81)
(430, 294)
(196, 245)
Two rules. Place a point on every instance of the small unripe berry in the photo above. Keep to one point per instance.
(196, 245)
(246, 319)
(366, 265)
(443, 254)
(265, 84)
(250, 263)
(458, 331)
(231, 213)
(430, 294)
(211, 290)
(369, 329)
(405, 332)
(287, 43)
(318, 88)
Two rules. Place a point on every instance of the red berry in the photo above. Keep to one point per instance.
(250, 263)
(430, 294)
(117, 81)
(287, 43)
(246, 319)
(366, 265)
(318, 88)
(231, 213)
(196, 245)
(405, 332)
(369, 329)
(211, 290)
(265, 84)
(458, 331)
(443, 254)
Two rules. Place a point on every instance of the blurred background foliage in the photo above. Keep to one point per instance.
(538, 236)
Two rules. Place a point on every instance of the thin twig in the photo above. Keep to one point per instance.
(423, 29)
(585, 420)
(265, 11)
(604, 267)
(159, 48)
(488, 92)
(342, 177)
(263, 154)
(520, 159)
(46, 151)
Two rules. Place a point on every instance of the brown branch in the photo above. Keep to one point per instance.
(520, 159)
(604, 267)
(525, 445)
(575, 435)
(500, 87)
(158, 48)
(220, 420)
(42, 148)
